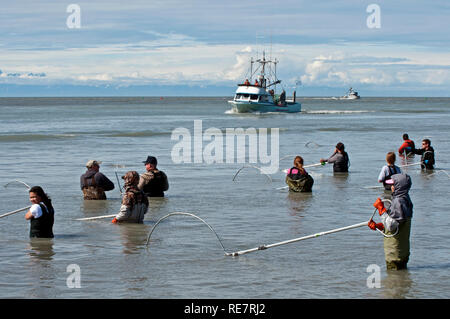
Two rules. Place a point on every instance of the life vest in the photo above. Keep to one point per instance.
(299, 182)
(294, 173)
(42, 227)
(93, 191)
(392, 171)
(157, 185)
(428, 156)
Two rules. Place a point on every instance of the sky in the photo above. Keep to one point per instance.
(203, 47)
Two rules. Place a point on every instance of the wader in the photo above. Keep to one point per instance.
(93, 191)
(304, 184)
(396, 249)
(42, 227)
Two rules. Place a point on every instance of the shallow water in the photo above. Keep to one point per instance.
(47, 141)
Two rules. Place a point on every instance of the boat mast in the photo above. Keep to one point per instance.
(251, 69)
(275, 71)
(263, 63)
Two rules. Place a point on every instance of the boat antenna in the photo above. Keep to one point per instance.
(270, 44)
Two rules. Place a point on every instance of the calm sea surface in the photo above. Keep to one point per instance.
(47, 141)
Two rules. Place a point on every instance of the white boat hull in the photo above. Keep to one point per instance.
(350, 97)
(252, 107)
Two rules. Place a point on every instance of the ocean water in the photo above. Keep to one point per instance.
(47, 141)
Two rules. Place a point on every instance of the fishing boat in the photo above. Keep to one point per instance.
(261, 96)
(351, 95)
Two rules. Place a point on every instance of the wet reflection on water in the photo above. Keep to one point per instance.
(133, 237)
(396, 284)
(299, 203)
(91, 208)
(41, 249)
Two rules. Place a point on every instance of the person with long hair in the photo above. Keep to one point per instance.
(339, 159)
(41, 214)
(298, 178)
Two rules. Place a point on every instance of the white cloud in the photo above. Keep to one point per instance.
(178, 59)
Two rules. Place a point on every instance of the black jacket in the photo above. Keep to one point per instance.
(427, 157)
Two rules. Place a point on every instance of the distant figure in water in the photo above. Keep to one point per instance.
(408, 147)
(427, 153)
(297, 178)
(339, 159)
(41, 214)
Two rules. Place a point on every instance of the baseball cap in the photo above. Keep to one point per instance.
(151, 160)
(91, 163)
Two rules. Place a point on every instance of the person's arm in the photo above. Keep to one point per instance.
(82, 181)
(28, 215)
(402, 148)
(141, 183)
(123, 214)
(34, 212)
(165, 181)
(382, 175)
(104, 182)
(333, 158)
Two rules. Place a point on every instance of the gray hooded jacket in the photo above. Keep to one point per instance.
(401, 206)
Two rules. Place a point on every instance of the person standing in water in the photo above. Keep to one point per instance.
(339, 159)
(153, 182)
(41, 214)
(408, 147)
(388, 170)
(93, 183)
(134, 202)
(297, 178)
(396, 223)
(427, 153)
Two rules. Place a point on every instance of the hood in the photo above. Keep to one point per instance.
(131, 178)
(89, 173)
(402, 184)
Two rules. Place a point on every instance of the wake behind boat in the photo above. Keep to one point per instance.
(259, 96)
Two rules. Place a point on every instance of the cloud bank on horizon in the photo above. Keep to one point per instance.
(330, 44)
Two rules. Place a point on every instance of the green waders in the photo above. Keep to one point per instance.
(302, 185)
(396, 249)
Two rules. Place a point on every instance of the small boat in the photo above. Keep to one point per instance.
(351, 95)
(260, 96)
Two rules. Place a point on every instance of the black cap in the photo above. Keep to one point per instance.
(151, 160)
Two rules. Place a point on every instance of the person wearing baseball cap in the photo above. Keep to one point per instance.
(93, 183)
(153, 182)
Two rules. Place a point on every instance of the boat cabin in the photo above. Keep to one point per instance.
(252, 93)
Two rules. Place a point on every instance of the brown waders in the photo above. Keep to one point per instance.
(93, 191)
